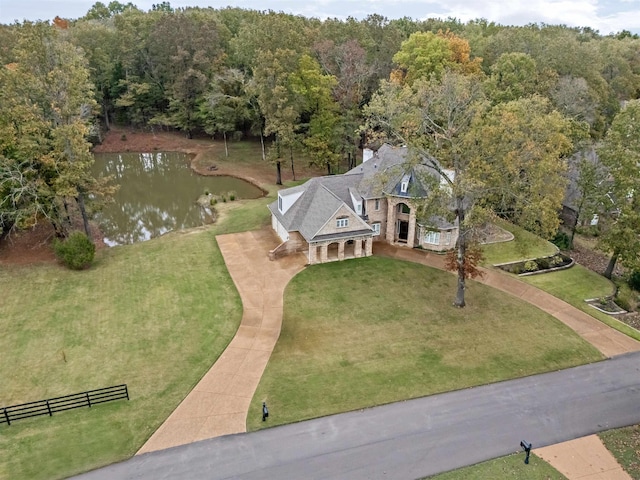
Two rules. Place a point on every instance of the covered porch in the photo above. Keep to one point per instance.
(334, 248)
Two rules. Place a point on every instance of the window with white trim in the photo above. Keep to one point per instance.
(376, 204)
(404, 187)
(432, 238)
(342, 222)
(376, 228)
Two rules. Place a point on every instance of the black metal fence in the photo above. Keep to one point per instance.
(60, 404)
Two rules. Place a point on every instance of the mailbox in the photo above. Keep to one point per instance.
(526, 446)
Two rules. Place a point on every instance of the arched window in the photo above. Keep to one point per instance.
(403, 208)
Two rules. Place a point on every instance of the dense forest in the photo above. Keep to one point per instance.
(527, 98)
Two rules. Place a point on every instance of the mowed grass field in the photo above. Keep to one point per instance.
(511, 467)
(376, 330)
(154, 315)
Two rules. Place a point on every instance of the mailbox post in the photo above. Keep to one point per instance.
(265, 411)
(527, 448)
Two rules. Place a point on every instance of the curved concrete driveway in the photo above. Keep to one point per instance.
(219, 403)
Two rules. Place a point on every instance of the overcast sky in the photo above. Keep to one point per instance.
(606, 16)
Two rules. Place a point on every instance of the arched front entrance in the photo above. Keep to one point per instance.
(403, 212)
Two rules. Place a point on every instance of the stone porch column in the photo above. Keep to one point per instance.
(357, 251)
(369, 246)
(313, 250)
(341, 250)
(323, 253)
(411, 235)
(390, 234)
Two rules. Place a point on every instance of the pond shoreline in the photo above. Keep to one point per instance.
(127, 140)
(158, 194)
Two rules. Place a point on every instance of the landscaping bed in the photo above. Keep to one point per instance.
(534, 266)
(606, 305)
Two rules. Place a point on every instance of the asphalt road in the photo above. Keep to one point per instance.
(415, 438)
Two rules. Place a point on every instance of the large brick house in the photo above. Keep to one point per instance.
(341, 216)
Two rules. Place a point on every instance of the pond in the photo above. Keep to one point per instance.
(158, 193)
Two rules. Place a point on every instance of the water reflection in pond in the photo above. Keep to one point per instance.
(157, 194)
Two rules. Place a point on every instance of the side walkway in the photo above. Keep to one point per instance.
(609, 341)
(584, 458)
(219, 403)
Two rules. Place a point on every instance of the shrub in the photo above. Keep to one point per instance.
(624, 304)
(224, 199)
(76, 251)
(634, 280)
(561, 240)
(213, 201)
(556, 261)
(123, 137)
(232, 197)
(530, 266)
(543, 263)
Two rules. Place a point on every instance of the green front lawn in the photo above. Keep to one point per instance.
(512, 467)
(154, 315)
(376, 330)
(624, 444)
(524, 245)
(577, 284)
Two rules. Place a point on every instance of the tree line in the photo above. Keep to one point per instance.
(507, 108)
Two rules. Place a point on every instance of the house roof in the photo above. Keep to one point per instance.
(322, 197)
(381, 175)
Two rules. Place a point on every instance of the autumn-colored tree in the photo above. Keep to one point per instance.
(620, 154)
(425, 54)
(473, 258)
(347, 62)
(588, 188)
(226, 106)
(519, 150)
(511, 154)
(279, 105)
(45, 153)
(314, 89)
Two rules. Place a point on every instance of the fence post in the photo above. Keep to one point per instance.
(126, 390)
(88, 399)
(6, 416)
(49, 408)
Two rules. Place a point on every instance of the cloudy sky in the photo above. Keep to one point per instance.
(606, 16)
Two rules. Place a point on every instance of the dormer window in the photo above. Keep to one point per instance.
(280, 203)
(359, 208)
(404, 185)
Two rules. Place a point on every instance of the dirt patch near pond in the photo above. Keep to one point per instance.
(207, 155)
